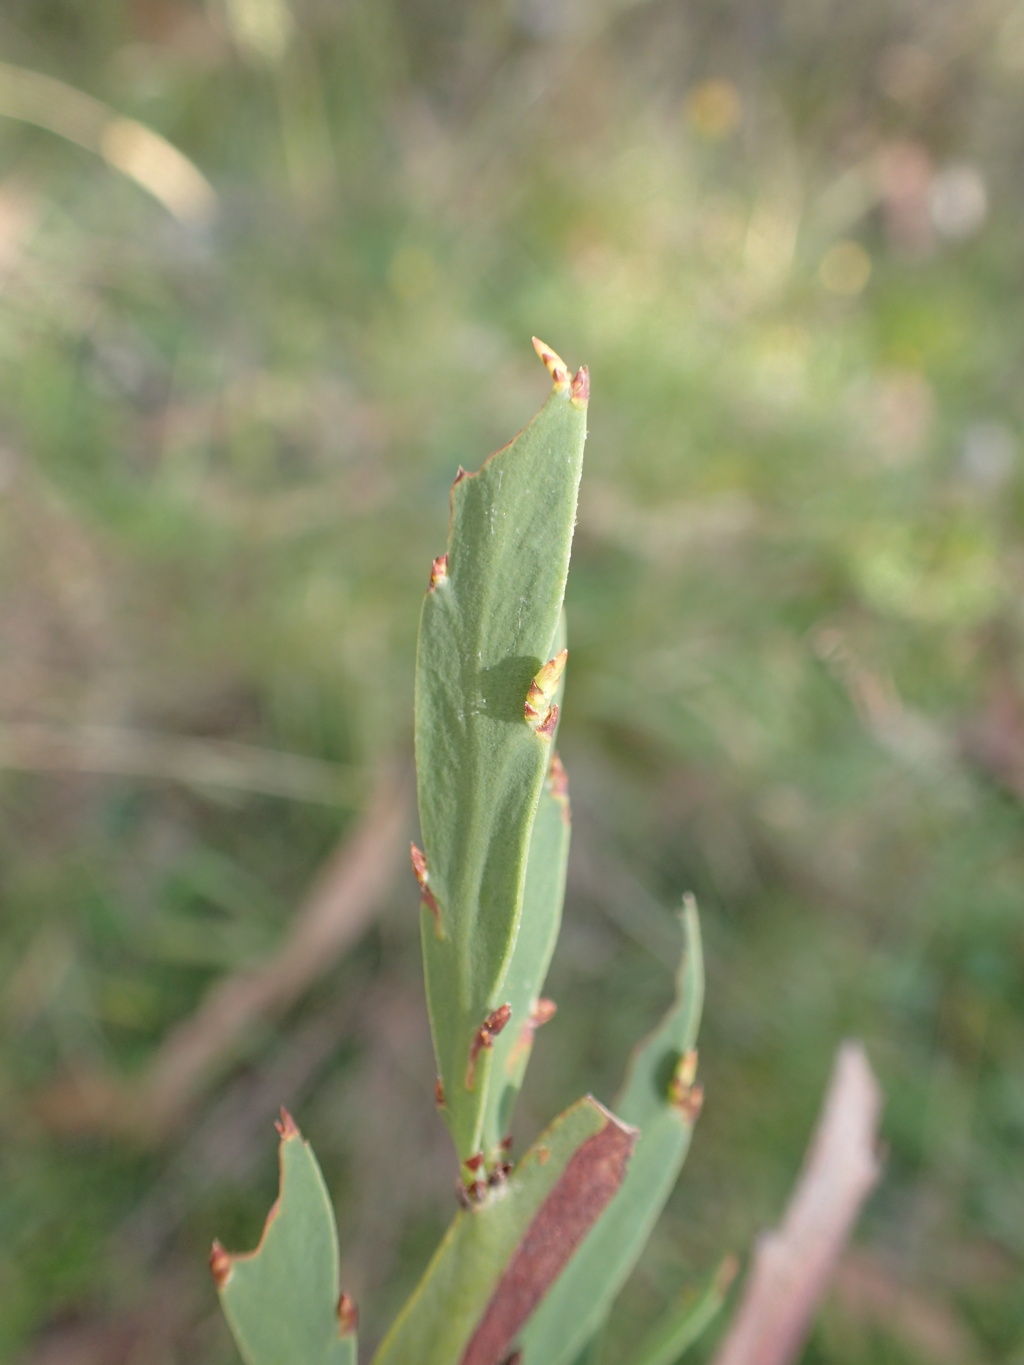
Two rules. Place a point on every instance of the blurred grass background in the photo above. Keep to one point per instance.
(238, 379)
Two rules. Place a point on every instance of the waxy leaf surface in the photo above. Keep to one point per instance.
(282, 1300)
(489, 624)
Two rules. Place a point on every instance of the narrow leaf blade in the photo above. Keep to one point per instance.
(660, 1098)
(282, 1300)
(687, 1319)
(540, 922)
(487, 630)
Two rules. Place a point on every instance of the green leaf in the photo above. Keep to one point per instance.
(662, 1099)
(488, 628)
(535, 944)
(282, 1300)
(539, 924)
(686, 1320)
(498, 1259)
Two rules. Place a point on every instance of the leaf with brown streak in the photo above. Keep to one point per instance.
(592, 1176)
(662, 1098)
(501, 1257)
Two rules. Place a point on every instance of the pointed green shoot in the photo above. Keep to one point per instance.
(662, 1098)
(487, 673)
(282, 1300)
(687, 1319)
(498, 1259)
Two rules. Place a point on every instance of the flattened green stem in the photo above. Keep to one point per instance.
(499, 1259)
(282, 1300)
(535, 944)
(488, 666)
(662, 1098)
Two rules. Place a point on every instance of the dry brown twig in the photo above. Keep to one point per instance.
(793, 1265)
(34, 746)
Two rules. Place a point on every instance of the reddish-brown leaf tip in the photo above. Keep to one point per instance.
(579, 390)
(471, 1196)
(484, 1038)
(220, 1265)
(500, 1174)
(419, 864)
(543, 1011)
(427, 897)
(539, 711)
(438, 572)
(287, 1126)
(547, 726)
(348, 1316)
(684, 1093)
(553, 363)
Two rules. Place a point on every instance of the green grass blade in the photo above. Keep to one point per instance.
(499, 1258)
(282, 1300)
(661, 1098)
(489, 625)
(686, 1320)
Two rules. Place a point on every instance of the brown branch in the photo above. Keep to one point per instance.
(35, 746)
(793, 1265)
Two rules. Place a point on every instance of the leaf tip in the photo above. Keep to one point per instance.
(348, 1316)
(543, 1011)
(438, 572)
(547, 726)
(685, 1094)
(579, 389)
(286, 1126)
(220, 1265)
(471, 1194)
(539, 710)
(553, 363)
(419, 866)
(484, 1038)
